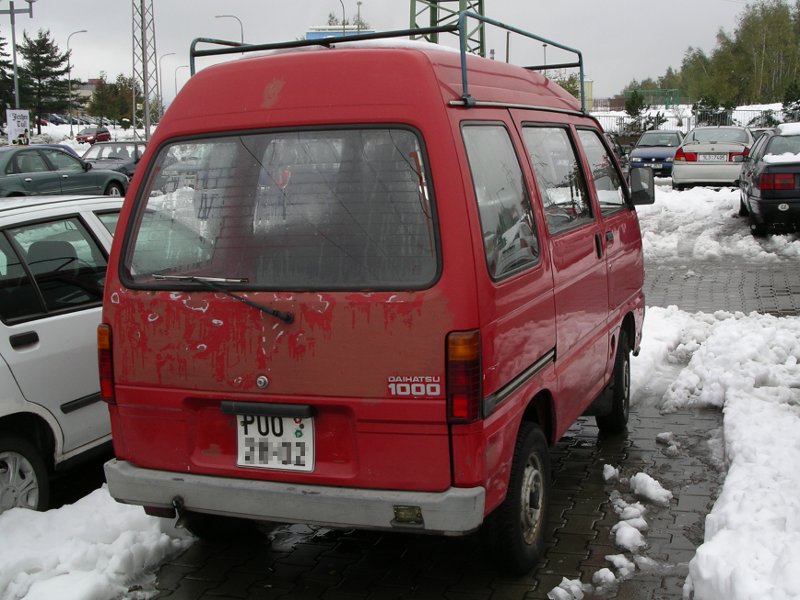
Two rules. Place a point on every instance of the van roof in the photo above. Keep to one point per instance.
(358, 76)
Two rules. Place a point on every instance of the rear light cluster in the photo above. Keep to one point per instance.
(463, 376)
(105, 363)
(776, 181)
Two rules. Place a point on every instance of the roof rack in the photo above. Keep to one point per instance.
(460, 28)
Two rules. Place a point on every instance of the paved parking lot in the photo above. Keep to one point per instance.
(298, 562)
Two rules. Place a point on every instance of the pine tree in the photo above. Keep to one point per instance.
(42, 85)
(6, 77)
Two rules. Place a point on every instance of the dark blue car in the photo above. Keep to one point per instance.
(656, 149)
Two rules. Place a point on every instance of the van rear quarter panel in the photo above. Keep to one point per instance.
(178, 354)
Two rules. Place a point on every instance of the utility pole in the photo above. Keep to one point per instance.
(436, 13)
(145, 71)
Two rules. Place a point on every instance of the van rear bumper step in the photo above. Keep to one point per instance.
(456, 511)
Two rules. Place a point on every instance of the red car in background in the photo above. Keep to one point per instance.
(93, 134)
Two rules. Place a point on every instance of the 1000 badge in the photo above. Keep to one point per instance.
(275, 442)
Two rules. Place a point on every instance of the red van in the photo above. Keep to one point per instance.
(348, 289)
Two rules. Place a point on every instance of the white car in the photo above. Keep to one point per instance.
(711, 156)
(53, 253)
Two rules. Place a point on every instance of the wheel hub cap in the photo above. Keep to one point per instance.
(18, 486)
(531, 504)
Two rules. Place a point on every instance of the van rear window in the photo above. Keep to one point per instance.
(288, 210)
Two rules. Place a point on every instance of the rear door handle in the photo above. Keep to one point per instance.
(20, 340)
(65, 177)
(28, 179)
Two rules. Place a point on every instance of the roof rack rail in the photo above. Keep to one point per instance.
(460, 28)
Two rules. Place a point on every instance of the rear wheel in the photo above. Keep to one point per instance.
(758, 230)
(23, 475)
(617, 419)
(216, 528)
(114, 189)
(515, 530)
(743, 212)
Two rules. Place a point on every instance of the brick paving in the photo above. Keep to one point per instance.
(297, 562)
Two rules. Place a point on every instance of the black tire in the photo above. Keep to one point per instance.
(617, 420)
(23, 475)
(114, 189)
(759, 230)
(743, 212)
(515, 530)
(217, 529)
(678, 186)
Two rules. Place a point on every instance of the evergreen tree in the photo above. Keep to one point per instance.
(6, 77)
(43, 88)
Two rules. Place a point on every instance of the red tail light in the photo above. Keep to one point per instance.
(776, 181)
(685, 156)
(105, 363)
(463, 376)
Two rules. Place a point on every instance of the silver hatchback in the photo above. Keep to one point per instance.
(711, 156)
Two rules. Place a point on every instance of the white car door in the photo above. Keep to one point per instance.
(50, 311)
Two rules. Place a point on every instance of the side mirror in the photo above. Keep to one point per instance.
(643, 189)
(87, 166)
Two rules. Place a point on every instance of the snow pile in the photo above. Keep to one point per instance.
(781, 159)
(644, 486)
(94, 548)
(748, 365)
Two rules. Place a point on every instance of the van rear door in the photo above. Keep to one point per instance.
(284, 318)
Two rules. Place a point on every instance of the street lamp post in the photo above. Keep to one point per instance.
(176, 76)
(16, 11)
(344, 18)
(69, 79)
(358, 15)
(161, 83)
(241, 28)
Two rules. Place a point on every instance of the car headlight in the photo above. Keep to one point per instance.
(636, 159)
(669, 159)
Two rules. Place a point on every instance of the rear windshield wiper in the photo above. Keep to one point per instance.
(216, 284)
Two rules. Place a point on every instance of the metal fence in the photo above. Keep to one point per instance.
(684, 118)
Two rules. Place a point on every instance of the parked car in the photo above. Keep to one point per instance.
(53, 254)
(93, 134)
(397, 301)
(655, 150)
(769, 183)
(63, 147)
(47, 170)
(56, 119)
(711, 156)
(115, 156)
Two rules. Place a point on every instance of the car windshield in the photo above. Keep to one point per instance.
(659, 138)
(86, 130)
(343, 209)
(718, 134)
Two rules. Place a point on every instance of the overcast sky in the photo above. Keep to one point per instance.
(620, 39)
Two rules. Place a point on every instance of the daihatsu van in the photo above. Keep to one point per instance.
(389, 277)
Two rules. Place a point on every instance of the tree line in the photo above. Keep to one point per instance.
(43, 81)
(758, 63)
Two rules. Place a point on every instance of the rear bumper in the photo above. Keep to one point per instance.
(708, 173)
(781, 212)
(455, 511)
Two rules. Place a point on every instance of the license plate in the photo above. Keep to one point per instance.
(712, 157)
(654, 165)
(285, 443)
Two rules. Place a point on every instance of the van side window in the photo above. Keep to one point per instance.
(560, 178)
(509, 235)
(607, 181)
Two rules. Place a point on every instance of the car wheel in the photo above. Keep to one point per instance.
(515, 529)
(217, 529)
(23, 475)
(743, 212)
(617, 420)
(677, 186)
(114, 189)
